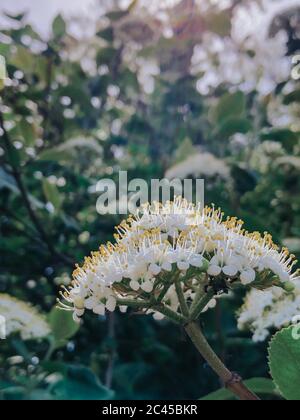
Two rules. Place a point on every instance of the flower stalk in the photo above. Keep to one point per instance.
(232, 382)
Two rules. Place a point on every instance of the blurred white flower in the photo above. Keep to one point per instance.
(284, 116)
(269, 309)
(265, 155)
(197, 165)
(250, 59)
(147, 70)
(22, 318)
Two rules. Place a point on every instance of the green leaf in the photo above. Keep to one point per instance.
(284, 361)
(292, 97)
(229, 106)
(52, 194)
(234, 125)
(23, 59)
(69, 150)
(185, 150)
(107, 34)
(54, 367)
(17, 17)
(81, 384)
(7, 181)
(14, 156)
(116, 15)
(59, 27)
(260, 386)
(62, 325)
(28, 132)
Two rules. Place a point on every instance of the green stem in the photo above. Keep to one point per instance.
(163, 292)
(183, 305)
(202, 303)
(51, 350)
(233, 382)
(199, 293)
(172, 315)
(136, 304)
(159, 307)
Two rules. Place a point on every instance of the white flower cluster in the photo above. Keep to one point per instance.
(265, 155)
(199, 164)
(174, 242)
(249, 59)
(22, 318)
(269, 309)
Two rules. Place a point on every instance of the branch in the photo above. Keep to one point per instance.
(34, 218)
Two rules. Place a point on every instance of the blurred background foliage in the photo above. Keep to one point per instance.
(77, 109)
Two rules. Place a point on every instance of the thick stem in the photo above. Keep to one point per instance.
(231, 381)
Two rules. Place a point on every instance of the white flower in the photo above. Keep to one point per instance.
(22, 318)
(247, 276)
(197, 165)
(269, 309)
(250, 59)
(175, 242)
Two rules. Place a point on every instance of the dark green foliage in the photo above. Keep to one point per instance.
(66, 127)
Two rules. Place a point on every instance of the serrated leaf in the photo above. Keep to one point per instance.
(62, 325)
(260, 386)
(284, 361)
